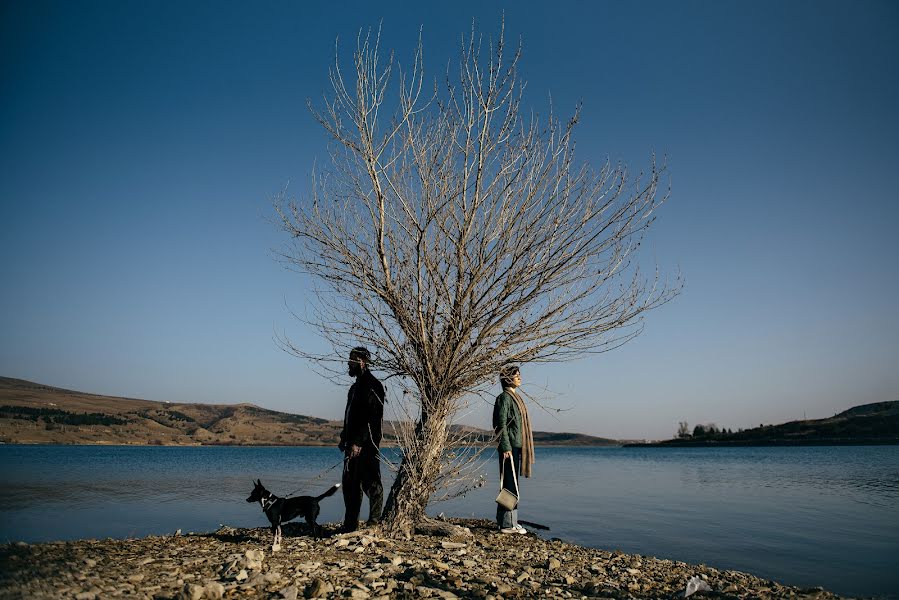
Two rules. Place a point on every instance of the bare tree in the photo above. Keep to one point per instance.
(683, 429)
(453, 234)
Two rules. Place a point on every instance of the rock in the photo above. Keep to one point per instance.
(85, 596)
(192, 591)
(355, 593)
(136, 578)
(214, 590)
(553, 564)
(319, 588)
(91, 563)
(289, 593)
(272, 577)
(373, 575)
(254, 559)
(242, 575)
(452, 545)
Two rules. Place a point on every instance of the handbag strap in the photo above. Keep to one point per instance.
(502, 474)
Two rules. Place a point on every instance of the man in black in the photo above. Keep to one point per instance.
(359, 441)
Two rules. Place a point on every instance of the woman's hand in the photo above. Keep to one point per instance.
(507, 455)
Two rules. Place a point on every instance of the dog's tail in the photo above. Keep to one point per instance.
(330, 492)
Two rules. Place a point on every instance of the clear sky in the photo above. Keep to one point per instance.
(141, 143)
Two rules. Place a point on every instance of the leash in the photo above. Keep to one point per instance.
(317, 477)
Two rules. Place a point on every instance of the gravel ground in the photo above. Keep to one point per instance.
(239, 563)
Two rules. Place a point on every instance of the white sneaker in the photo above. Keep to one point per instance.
(520, 529)
(515, 529)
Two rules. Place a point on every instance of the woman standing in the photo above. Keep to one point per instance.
(512, 425)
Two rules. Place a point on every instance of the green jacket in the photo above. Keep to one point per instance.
(507, 422)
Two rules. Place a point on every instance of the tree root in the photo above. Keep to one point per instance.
(441, 528)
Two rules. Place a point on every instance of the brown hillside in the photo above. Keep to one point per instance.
(32, 413)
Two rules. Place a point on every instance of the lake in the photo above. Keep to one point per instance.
(803, 516)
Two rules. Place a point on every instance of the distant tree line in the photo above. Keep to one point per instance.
(59, 417)
(706, 431)
(882, 425)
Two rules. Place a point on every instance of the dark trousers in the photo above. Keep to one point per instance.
(509, 518)
(362, 474)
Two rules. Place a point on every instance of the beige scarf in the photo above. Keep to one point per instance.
(527, 436)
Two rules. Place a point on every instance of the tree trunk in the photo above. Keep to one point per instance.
(415, 481)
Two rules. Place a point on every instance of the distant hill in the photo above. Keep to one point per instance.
(33, 413)
(876, 423)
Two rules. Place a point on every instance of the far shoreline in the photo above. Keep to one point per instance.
(765, 443)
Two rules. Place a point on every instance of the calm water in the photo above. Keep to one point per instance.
(804, 516)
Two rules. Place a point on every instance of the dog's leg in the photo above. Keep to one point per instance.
(277, 545)
(313, 526)
(276, 537)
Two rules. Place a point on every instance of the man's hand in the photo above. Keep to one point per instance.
(507, 455)
(355, 450)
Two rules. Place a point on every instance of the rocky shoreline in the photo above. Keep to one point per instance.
(239, 563)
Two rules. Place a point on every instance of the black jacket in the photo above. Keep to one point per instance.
(364, 412)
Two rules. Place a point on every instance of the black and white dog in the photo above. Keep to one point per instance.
(280, 510)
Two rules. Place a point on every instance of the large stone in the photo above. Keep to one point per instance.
(553, 564)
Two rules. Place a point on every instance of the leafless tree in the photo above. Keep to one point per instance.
(454, 234)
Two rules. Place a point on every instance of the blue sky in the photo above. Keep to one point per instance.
(141, 143)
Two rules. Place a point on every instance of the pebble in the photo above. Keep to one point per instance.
(319, 588)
